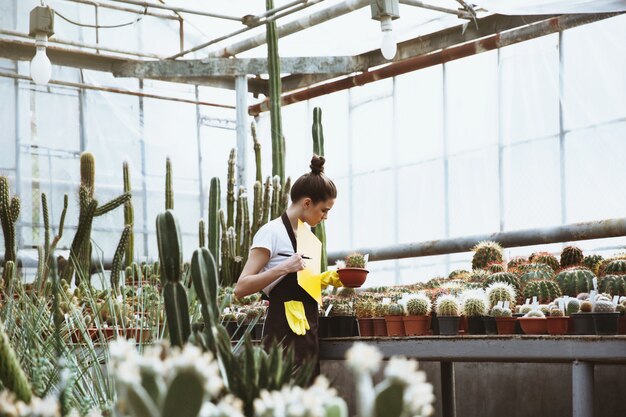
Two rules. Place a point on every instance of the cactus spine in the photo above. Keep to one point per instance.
(129, 217)
(546, 258)
(419, 306)
(273, 60)
(11, 373)
(318, 149)
(616, 267)
(474, 306)
(175, 297)
(603, 306)
(169, 191)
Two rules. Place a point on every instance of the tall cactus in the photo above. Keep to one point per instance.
(318, 149)
(230, 189)
(275, 90)
(257, 153)
(267, 195)
(225, 277)
(9, 213)
(11, 374)
(201, 234)
(80, 252)
(257, 207)
(169, 191)
(174, 295)
(276, 198)
(285, 196)
(117, 258)
(214, 220)
(129, 217)
(245, 237)
(50, 247)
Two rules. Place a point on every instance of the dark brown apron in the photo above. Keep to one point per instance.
(276, 326)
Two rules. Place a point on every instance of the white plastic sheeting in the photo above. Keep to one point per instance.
(521, 7)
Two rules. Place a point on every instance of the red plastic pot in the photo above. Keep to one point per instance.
(380, 326)
(366, 327)
(352, 277)
(506, 325)
(416, 325)
(395, 326)
(557, 325)
(533, 325)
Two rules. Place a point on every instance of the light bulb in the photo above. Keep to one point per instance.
(388, 45)
(40, 66)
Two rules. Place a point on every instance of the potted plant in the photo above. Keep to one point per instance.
(393, 318)
(378, 321)
(573, 306)
(533, 322)
(557, 322)
(417, 322)
(583, 320)
(364, 310)
(605, 317)
(448, 316)
(354, 273)
(505, 322)
(474, 308)
(341, 323)
(498, 292)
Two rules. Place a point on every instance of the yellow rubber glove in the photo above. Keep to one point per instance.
(330, 278)
(296, 317)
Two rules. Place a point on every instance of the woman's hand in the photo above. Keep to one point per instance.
(294, 263)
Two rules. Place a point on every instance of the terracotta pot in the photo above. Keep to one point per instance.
(380, 326)
(557, 325)
(395, 326)
(416, 325)
(366, 327)
(533, 325)
(506, 325)
(139, 335)
(352, 277)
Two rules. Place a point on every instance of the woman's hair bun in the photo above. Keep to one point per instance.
(317, 164)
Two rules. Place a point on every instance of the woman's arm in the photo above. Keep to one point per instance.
(252, 280)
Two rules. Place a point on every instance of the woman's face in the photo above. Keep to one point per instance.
(314, 213)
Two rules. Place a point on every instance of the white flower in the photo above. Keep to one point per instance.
(363, 358)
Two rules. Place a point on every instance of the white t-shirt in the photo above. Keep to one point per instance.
(273, 236)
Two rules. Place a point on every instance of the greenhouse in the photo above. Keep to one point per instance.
(312, 208)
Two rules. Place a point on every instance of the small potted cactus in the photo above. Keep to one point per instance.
(582, 322)
(417, 320)
(393, 318)
(378, 321)
(448, 316)
(557, 322)
(354, 273)
(474, 308)
(343, 320)
(505, 322)
(605, 317)
(364, 310)
(533, 322)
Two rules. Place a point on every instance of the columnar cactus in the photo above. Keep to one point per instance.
(613, 284)
(571, 256)
(129, 217)
(201, 233)
(419, 306)
(9, 213)
(275, 91)
(318, 149)
(544, 290)
(214, 219)
(575, 280)
(447, 305)
(546, 258)
(257, 207)
(257, 153)
(50, 247)
(230, 189)
(175, 297)
(117, 258)
(485, 253)
(12, 376)
(169, 189)
(603, 306)
(286, 197)
(276, 197)
(267, 195)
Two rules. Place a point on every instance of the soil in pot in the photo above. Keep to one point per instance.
(380, 326)
(475, 325)
(490, 325)
(583, 323)
(415, 325)
(605, 323)
(506, 325)
(448, 325)
(557, 325)
(366, 327)
(352, 277)
(395, 326)
(341, 326)
(533, 325)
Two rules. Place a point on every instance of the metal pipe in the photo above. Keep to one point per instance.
(293, 27)
(119, 91)
(243, 30)
(280, 8)
(416, 3)
(124, 9)
(492, 42)
(97, 47)
(179, 9)
(582, 389)
(527, 237)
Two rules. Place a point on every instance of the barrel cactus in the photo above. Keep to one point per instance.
(496, 311)
(355, 260)
(504, 277)
(613, 284)
(544, 290)
(546, 258)
(395, 309)
(523, 309)
(604, 306)
(535, 271)
(575, 280)
(486, 252)
(616, 267)
(478, 276)
(592, 262)
(556, 312)
(474, 306)
(496, 267)
(447, 305)
(573, 306)
(535, 314)
(570, 256)
(501, 291)
(459, 274)
(419, 306)
(516, 262)
(586, 306)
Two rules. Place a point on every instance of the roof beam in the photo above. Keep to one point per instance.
(191, 68)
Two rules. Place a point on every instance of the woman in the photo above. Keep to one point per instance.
(312, 197)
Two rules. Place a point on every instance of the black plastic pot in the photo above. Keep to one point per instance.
(475, 325)
(605, 323)
(448, 325)
(235, 330)
(518, 328)
(342, 326)
(434, 323)
(490, 325)
(583, 323)
(322, 327)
